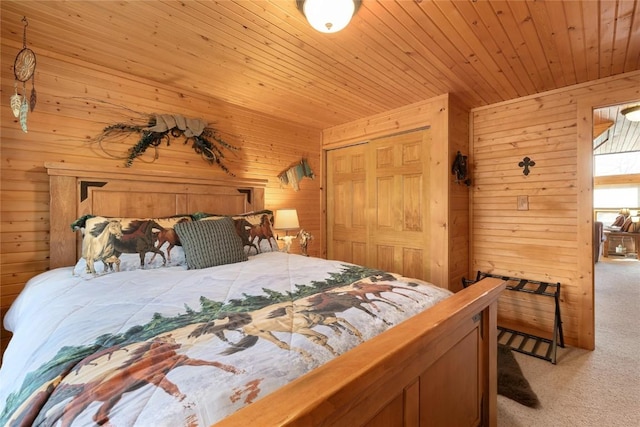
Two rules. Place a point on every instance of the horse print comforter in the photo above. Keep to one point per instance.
(176, 347)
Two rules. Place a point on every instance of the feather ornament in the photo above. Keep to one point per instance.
(16, 102)
(24, 109)
(33, 99)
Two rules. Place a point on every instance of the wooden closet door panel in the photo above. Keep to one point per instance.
(378, 204)
(399, 201)
(346, 205)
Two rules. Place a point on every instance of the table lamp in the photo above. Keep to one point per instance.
(286, 219)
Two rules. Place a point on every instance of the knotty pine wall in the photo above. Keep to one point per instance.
(551, 240)
(68, 114)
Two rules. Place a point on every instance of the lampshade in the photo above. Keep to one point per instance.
(328, 16)
(632, 113)
(286, 219)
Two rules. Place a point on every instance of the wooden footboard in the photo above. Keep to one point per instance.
(437, 368)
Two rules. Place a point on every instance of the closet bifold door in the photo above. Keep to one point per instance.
(378, 204)
(347, 229)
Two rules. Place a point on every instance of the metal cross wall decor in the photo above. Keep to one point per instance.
(526, 163)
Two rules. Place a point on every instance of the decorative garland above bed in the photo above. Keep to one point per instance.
(205, 141)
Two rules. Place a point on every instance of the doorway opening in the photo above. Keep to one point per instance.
(616, 212)
(616, 184)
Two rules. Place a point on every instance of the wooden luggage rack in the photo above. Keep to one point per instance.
(532, 345)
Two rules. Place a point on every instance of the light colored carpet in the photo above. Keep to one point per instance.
(599, 388)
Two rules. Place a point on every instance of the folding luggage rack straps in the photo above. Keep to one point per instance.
(537, 349)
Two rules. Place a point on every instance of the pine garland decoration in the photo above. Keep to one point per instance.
(207, 143)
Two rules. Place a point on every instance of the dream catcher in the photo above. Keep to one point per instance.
(23, 70)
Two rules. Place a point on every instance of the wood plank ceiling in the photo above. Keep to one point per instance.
(264, 56)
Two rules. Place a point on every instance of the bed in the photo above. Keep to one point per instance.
(363, 347)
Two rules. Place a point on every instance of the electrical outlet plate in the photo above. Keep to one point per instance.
(523, 203)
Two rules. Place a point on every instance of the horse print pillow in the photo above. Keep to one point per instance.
(255, 230)
(121, 244)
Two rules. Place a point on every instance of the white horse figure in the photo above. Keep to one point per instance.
(98, 245)
(305, 238)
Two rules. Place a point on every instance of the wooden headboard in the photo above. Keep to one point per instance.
(77, 190)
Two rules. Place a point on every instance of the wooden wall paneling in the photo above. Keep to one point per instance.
(439, 190)
(459, 194)
(498, 148)
(525, 312)
(551, 241)
(413, 116)
(76, 100)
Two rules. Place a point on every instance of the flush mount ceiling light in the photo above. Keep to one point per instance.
(632, 113)
(328, 16)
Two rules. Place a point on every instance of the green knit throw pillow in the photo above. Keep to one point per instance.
(210, 243)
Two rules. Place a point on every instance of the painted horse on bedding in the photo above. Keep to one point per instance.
(298, 317)
(377, 285)
(168, 235)
(263, 323)
(148, 365)
(303, 314)
(138, 238)
(243, 228)
(100, 246)
(262, 231)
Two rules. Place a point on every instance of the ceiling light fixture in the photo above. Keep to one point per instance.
(632, 113)
(328, 16)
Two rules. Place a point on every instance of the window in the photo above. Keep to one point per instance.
(616, 196)
(607, 217)
(617, 164)
(609, 198)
